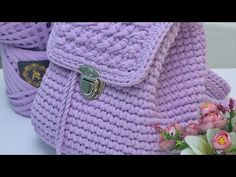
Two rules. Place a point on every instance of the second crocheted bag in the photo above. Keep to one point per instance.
(27, 35)
(23, 71)
(108, 83)
(23, 54)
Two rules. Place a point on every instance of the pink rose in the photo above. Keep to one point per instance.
(212, 120)
(222, 140)
(206, 108)
(166, 144)
(172, 130)
(192, 129)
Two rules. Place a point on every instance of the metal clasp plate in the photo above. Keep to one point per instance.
(91, 86)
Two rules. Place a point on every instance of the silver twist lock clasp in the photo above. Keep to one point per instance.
(91, 86)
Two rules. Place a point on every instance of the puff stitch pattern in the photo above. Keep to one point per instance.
(154, 73)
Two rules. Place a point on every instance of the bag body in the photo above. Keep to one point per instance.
(152, 73)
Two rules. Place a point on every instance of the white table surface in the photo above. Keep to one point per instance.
(18, 137)
(16, 133)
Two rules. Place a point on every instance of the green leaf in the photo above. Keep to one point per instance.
(166, 136)
(227, 128)
(233, 113)
(230, 126)
(198, 145)
(209, 135)
(233, 150)
(187, 151)
(177, 136)
(233, 146)
(233, 120)
(180, 145)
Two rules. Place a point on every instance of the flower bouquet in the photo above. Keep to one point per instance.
(213, 134)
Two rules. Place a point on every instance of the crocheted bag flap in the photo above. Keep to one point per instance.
(122, 52)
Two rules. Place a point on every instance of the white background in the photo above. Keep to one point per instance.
(221, 45)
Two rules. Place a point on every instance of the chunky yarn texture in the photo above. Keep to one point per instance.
(20, 93)
(26, 35)
(21, 41)
(155, 73)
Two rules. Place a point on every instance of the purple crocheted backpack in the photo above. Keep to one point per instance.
(24, 61)
(108, 83)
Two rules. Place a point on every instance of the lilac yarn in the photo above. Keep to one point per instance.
(216, 86)
(32, 36)
(20, 93)
(155, 73)
(28, 35)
